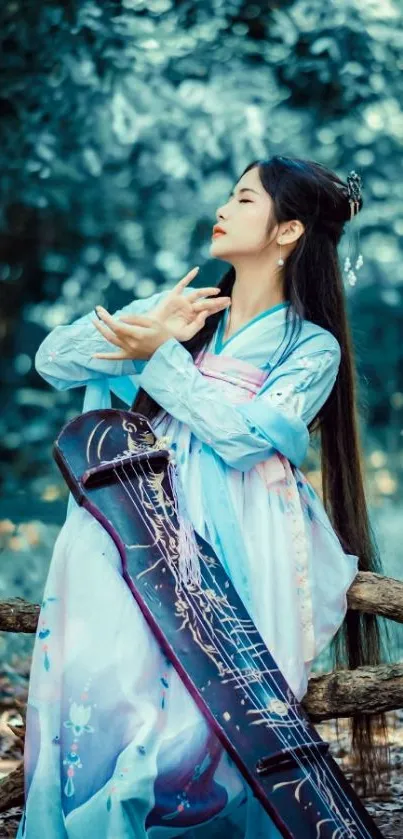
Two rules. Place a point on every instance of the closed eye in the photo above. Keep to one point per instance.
(245, 201)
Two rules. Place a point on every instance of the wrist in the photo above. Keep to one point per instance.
(167, 336)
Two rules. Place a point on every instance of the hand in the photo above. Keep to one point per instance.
(137, 341)
(185, 315)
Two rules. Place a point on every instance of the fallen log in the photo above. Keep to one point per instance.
(371, 593)
(18, 615)
(344, 693)
(377, 595)
(12, 789)
(341, 693)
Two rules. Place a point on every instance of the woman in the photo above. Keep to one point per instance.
(116, 746)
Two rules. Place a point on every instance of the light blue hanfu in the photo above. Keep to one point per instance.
(116, 748)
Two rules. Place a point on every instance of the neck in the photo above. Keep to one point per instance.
(257, 287)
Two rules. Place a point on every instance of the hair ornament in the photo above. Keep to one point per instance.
(354, 192)
(354, 195)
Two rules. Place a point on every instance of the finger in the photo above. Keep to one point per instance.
(200, 320)
(117, 326)
(218, 301)
(137, 320)
(113, 356)
(209, 291)
(105, 318)
(186, 279)
(212, 305)
(107, 334)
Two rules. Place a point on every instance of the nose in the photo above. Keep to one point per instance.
(220, 216)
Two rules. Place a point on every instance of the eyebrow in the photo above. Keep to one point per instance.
(244, 189)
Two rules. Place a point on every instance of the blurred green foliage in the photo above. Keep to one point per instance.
(125, 124)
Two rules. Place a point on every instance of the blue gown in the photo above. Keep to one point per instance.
(116, 748)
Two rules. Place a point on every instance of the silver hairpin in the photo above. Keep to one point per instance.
(354, 194)
(354, 187)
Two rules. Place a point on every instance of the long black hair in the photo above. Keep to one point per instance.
(308, 191)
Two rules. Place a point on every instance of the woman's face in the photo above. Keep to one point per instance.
(244, 218)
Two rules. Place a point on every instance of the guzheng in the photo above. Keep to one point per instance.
(125, 476)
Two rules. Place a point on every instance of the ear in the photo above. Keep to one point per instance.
(294, 230)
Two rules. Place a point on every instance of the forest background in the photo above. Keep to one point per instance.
(123, 126)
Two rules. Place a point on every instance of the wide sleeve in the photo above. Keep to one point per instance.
(64, 357)
(243, 434)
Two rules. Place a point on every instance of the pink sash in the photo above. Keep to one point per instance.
(240, 379)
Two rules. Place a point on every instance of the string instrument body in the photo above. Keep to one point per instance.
(121, 473)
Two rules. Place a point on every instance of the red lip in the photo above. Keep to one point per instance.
(218, 230)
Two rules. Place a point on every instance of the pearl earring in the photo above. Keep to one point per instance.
(280, 260)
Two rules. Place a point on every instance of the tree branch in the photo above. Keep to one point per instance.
(18, 615)
(377, 595)
(12, 789)
(343, 693)
(372, 593)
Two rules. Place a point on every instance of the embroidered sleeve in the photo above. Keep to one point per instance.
(302, 385)
(245, 433)
(64, 357)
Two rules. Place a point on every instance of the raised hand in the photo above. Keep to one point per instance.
(177, 316)
(184, 315)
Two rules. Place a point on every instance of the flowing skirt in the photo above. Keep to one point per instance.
(116, 747)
